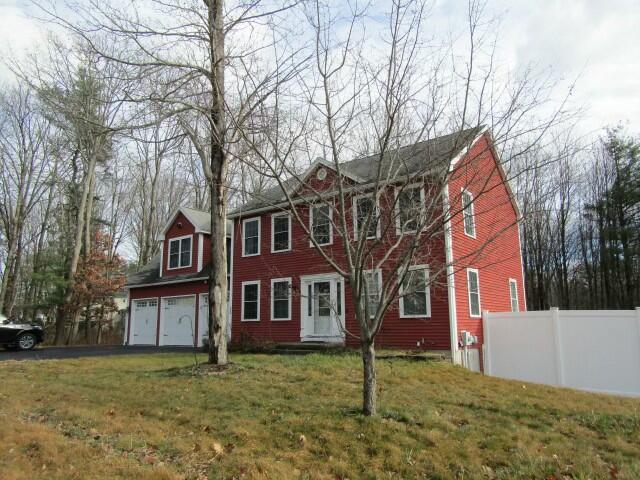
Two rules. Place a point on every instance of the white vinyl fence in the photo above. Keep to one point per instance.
(595, 350)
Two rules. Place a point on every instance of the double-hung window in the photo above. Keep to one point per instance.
(251, 301)
(373, 282)
(321, 227)
(409, 209)
(251, 237)
(180, 252)
(415, 298)
(468, 214)
(513, 295)
(365, 209)
(473, 285)
(280, 232)
(281, 299)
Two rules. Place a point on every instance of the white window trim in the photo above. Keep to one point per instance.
(464, 191)
(179, 239)
(513, 281)
(378, 273)
(311, 207)
(273, 237)
(244, 222)
(428, 293)
(397, 205)
(471, 314)
(278, 280)
(355, 216)
(252, 282)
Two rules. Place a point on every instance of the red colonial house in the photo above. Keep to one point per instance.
(283, 290)
(281, 284)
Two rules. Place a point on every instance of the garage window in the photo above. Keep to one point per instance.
(251, 301)
(180, 252)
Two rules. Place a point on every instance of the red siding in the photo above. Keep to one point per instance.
(495, 251)
(432, 333)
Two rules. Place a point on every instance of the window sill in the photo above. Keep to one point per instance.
(244, 255)
(280, 319)
(254, 320)
(428, 315)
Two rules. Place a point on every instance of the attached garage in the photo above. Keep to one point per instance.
(177, 320)
(144, 321)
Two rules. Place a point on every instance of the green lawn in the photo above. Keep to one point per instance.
(277, 417)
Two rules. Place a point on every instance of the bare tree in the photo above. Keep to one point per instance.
(27, 166)
(392, 102)
(187, 42)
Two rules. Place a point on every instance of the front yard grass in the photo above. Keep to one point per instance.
(280, 417)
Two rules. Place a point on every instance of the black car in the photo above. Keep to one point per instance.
(15, 334)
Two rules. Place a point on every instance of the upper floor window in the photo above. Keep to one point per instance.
(473, 285)
(414, 293)
(513, 295)
(321, 227)
(180, 252)
(251, 237)
(467, 214)
(365, 208)
(280, 232)
(409, 209)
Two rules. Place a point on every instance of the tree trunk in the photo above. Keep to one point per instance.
(218, 284)
(369, 385)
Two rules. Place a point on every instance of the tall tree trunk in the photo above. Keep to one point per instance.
(369, 382)
(217, 172)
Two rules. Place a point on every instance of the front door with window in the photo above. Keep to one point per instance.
(322, 308)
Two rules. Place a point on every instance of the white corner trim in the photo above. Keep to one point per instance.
(524, 291)
(273, 217)
(179, 239)
(451, 288)
(244, 222)
(252, 282)
(161, 257)
(278, 280)
(200, 251)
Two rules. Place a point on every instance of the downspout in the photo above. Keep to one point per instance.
(451, 289)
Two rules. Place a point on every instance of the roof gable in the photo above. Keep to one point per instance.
(200, 220)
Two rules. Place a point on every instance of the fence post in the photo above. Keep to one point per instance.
(486, 362)
(555, 323)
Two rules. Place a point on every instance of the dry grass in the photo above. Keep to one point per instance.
(290, 417)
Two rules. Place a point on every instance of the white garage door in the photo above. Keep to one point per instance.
(145, 321)
(178, 325)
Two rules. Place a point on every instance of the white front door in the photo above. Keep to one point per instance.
(178, 320)
(322, 308)
(145, 322)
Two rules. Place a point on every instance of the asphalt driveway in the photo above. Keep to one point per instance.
(51, 353)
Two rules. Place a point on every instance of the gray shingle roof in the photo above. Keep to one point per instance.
(433, 155)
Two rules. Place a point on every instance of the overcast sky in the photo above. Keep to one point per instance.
(596, 42)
